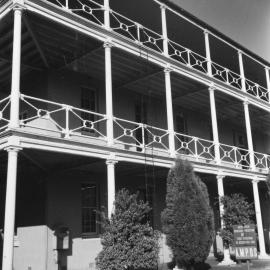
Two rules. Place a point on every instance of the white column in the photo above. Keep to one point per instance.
(16, 69)
(242, 72)
(207, 52)
(267, 82)
(10, 208)
(220, 194)
(111, 184)
(107, 14)
(259, 218)
(108, 86)
(249, 135)
(169, 107)
(164, 30)
(214, 123)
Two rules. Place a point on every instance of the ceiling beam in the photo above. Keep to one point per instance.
(81, 56)
(34, 38)
(4, 59)
(140, 78)
(191, 94)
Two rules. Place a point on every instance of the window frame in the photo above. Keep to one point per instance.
(90, 234)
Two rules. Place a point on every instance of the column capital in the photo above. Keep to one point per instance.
(206, 31)
(107, 44)
(18, 5)
(220, 176)
(240, 52)
(111, 160)
(163, 6)
(246, 102)
(255, 180)
(168, 69)
(212, 87)
(266, 68)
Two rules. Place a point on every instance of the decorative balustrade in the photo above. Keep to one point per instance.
(257, 90)
(4, 113)
(94, 12)
(200, 149)
(138, 136)
(240, 157)
(64, 121)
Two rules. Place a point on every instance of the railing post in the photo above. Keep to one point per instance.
(249, 135)
(259, 219)
(107, 14)
(208, 52)
(108, 86)
(267, 82)
(242, 72)
(111, 183)
(67, 109)
(214, 123)
(164, 30)
(169, 106)
(7, 263)
(16, 68)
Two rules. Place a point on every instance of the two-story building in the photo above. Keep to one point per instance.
(99, 95)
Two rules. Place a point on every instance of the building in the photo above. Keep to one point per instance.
(96, 96)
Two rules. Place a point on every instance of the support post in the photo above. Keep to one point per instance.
(164, 30)
(108, 86)
(242, 72)
(259, 219)
(214, 123)
(249, 135)
(107, 14)
(111, 184)
(220, 187)
(267, 82)
(16, 68)
(226, 260)
(207, 52)
(169, 106)
(7, 263)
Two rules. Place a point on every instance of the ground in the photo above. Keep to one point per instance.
(254, 265)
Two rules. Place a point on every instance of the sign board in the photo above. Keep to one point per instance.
(245, 240)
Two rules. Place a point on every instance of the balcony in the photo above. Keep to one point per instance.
(55, 120)
(253, 79)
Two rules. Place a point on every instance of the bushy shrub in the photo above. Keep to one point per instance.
(128, 241)
(187, 220)
(237, 211)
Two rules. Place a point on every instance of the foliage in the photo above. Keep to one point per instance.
(128, 241)
(237, 211)
(268, 184)
(187, 220)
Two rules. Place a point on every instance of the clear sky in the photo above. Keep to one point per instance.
(245, 21)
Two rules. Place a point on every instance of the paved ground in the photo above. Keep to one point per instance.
(255, 265)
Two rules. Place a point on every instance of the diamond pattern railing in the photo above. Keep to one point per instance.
(72, 123)
(94, 12)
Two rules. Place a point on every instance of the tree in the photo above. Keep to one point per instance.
(129, 242)
(237, 211)
(188, 219)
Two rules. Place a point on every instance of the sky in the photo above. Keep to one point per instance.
(245, 21)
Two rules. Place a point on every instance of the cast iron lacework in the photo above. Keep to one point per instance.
(94, 12)
(65, 121)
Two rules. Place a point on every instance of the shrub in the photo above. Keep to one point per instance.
(237, 211)
(129, 242)
(187, 220)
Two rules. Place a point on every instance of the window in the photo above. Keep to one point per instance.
(147, 195)
(141, 117)
(89, 103)
(89, 195)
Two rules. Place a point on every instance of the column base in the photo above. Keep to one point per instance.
(264, 256)
(227, 260)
